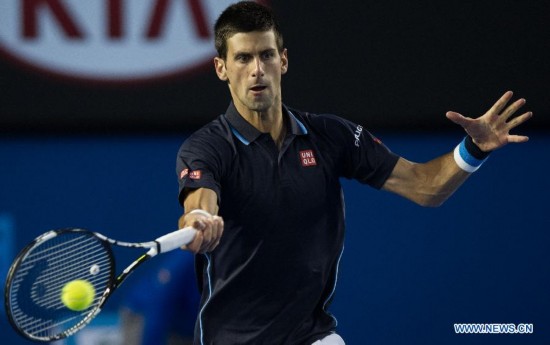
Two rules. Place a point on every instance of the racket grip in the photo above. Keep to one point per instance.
(176, 239)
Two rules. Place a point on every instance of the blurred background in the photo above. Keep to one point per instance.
(97, 96)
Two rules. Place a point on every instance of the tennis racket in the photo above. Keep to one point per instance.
(38, 274)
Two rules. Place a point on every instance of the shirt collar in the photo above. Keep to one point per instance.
(247, 133)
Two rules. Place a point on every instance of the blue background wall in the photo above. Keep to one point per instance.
(408, 273)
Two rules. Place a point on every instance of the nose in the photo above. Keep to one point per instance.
(258, 68)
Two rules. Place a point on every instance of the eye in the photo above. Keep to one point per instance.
(243, 58)
(267, 55)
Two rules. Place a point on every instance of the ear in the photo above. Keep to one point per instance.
(219, 66)
(284, 61)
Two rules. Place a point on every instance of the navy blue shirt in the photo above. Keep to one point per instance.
(271, 279)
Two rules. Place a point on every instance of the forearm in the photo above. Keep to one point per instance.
(427, 184)
(209, 225)
(203, 199)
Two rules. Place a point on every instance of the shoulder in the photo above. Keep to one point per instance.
(211, 137)
(209, 148)
(328, 125)
(314, 118)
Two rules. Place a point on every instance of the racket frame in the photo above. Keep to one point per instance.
(162, 244)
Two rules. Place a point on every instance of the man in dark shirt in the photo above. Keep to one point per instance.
(261, 183)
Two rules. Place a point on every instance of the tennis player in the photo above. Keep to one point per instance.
(267, 259)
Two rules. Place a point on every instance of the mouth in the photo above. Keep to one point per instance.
(258, 88)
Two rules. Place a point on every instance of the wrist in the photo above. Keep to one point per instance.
(201, 212)
(473, 149)
(468, 156)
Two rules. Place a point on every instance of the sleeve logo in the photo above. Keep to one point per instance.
(357, 135)
(193, 175)
(184, 173)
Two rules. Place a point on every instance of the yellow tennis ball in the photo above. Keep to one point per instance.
(78, 295)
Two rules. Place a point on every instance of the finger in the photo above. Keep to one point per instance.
(216, 233)
(516, 121)
(220, 227)
(222, 224)
(512, 109)
(501, 103)
(219, 222)
(212, 245)
(196, 244)
(207, 233)
(517, 138)
(199, 225)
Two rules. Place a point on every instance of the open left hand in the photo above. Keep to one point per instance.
(492, 130)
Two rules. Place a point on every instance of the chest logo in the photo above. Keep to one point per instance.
(307, 158)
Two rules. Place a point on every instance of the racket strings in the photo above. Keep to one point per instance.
(35, 292)
(71, 264)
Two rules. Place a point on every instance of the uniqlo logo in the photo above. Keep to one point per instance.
(195, 175)
(307, 158)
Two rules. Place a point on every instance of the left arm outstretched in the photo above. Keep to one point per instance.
(431, 183)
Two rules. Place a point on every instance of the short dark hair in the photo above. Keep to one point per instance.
(244, 16)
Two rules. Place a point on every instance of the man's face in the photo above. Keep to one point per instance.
(253, 69)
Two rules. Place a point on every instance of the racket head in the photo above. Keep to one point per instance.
(32, 295)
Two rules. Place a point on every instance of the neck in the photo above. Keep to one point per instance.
(270, 121)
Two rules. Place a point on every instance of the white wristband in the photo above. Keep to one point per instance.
(199, 211)
(465, 160)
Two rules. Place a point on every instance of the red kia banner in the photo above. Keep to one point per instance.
(109, 40)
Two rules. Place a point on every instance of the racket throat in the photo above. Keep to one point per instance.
(128, 270)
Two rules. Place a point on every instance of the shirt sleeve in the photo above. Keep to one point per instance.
(366, 158)
(198, 166)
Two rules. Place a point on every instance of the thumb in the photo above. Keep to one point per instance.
(457, 118)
